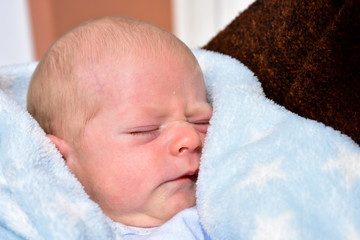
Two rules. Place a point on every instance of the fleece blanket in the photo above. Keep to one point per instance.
(266, 173)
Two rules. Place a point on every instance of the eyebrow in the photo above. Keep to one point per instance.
(145, 110)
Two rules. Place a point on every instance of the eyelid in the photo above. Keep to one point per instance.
(201, 118)
(143, 130)
(202, 125)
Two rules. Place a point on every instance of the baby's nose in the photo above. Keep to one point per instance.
(186, 139)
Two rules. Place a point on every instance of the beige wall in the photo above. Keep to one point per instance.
(51, 18)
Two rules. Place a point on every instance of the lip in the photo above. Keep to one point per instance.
(193, 176)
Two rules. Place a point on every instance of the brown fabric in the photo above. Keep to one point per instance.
(306, 55)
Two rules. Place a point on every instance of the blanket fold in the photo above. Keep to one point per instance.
(266, 173)
(39, 197)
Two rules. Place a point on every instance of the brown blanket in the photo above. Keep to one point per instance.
(306, 55)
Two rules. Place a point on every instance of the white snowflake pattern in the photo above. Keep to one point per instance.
(261, 174)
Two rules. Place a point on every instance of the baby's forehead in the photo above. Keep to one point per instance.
(102, 70)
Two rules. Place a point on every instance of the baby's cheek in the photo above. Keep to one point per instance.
(124, 197)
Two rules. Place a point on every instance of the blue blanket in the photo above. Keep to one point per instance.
(266, 173)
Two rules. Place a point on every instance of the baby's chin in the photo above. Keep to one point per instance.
(179, 202)
(168, 200)
(149, 220)
(182, 201)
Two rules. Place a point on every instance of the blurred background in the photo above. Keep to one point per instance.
(28, 27)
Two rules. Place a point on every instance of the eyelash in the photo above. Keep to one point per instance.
(144, 132)
(151, 132)
(202, 126)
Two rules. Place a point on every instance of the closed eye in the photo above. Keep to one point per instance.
(139, 133)
(202, 126)
(144, 131)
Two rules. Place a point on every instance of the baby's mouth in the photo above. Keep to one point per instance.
(193, 176)
(190, 176)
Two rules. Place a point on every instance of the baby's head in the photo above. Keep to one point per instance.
(125, 104)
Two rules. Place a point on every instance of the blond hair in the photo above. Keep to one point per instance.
(56, 98)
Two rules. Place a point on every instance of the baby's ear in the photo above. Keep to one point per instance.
(61, 145)
(66, 150)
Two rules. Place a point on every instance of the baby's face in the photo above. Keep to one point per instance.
(140, 154)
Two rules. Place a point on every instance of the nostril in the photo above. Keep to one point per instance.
(186, 140)
(182, 149)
